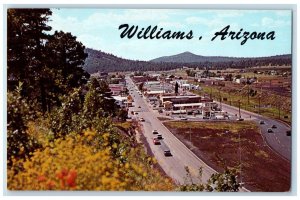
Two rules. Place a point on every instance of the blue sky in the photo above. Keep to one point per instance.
(98, 29)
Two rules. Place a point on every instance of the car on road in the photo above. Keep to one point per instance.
(159, 136)
(182, 118)
(156, 141)
(205, 117)
(155, 132)
(167, 153)
(261, 122)
(270, 130)
(240, 119)
(136, 113)
(288, 133)
(142, 119)
(139, 107)
(274, 126)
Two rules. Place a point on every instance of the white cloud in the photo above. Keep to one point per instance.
(271, 23)
(170, 24)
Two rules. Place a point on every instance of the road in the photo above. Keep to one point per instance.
(174, 165)
(278, 140)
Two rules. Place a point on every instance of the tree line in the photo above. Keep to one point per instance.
(105, 62)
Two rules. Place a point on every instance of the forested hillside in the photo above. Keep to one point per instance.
(101, 61)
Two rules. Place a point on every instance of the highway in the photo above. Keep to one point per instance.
(278, 140)
(174, 165)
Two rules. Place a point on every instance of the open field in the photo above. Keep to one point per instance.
(272, 104)
(217, 144)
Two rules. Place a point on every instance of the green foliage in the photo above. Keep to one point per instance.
(141, 85)
(223, 182)
(218, 182)
(48, 65)
(19, 143)
(176, 88)
(68, 117)
(190, 73)
(122, 114)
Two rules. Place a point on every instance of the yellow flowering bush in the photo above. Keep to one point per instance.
(74, 163)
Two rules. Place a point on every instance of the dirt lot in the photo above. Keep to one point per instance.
(262, 169)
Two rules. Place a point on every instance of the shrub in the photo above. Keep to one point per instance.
(19, 143)
(73, 164)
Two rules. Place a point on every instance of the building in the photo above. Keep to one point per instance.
(117, 89)
(122, 101)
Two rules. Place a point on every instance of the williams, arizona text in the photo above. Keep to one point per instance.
(153, 32)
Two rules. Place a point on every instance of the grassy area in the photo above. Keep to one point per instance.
(220, 144)
(234, 95)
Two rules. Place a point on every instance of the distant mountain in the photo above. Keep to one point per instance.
(188, 57)
(105, 62)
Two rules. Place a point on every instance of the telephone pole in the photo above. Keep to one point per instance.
(239, 101)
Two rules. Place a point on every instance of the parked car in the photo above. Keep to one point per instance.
(205, 117)
(159, 136)
(139, 107)
(288, 133)
(182, 118)
(274, 126)
(261, 122)
(142, 119)
(270, 130)
(167, 153)
(156, 141)
(136, 113)
(240, 119)
(155, 132)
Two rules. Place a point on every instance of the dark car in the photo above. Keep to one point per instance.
(270, 130)
(261, 122)
(205, 117)
(274, 126)
(167, 153)
(155, 132)
(142, 119)
(288, 133)
(159, 136)
(240, 119)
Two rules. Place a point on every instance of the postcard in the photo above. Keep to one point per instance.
(140, 99)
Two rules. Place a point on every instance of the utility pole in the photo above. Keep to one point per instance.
(239, 108)
(248, 94)
(259, 104)
(220, 99)
(190, 135)
(240, 155)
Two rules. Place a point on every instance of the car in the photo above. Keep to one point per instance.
(155, 132)
(156, 141)
(159, 136)
(139, 107)
(167, 153)
(205, 117)
(142, 119)
(240, 119)
(288, 133)
(270, 130)
(274, 126)
(261, 122)
(182, 117)
(136, 113)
